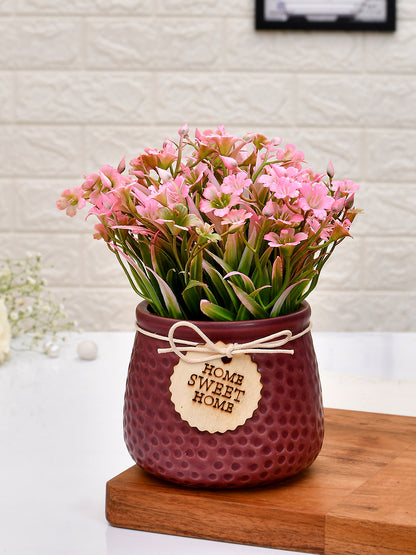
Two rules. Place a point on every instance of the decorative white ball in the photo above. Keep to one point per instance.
(47, 345)
(53, 350)
(87, 350)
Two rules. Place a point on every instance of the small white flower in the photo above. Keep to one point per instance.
(5, 334)
(5, 273)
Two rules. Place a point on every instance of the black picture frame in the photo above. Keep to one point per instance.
(341, 23)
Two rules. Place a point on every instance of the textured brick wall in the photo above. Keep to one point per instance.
(87, 81)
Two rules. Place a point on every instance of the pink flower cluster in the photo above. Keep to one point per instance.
(218, 226)
(225, 181)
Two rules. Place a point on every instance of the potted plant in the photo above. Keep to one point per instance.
(224, 238)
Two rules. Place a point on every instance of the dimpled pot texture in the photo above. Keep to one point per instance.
(282, 437)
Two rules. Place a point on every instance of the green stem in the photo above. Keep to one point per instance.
(179, 159)
(258, 172)
(287, 270)
(196, 249)
(176, 254)
(133, 285)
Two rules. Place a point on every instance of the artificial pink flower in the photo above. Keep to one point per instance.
(71, 201)
(104, 206)
(324, 231)
(341, 230)
(135, 229)
(176, 191)
(164, 175)
(96, 186)
(217, 202)
(346, 187)
(283, 182)
(290, 156)
(149, 209)
(101, 232)
(315, 197)
(194, 175)
(110, 177)
(281, 214)
(153, 158)
(167, 155)
(218, 140)
(287, 238)
(236, 217)
(261, 141)
(91, 182)
(236, 183)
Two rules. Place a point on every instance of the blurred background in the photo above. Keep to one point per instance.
(86, 82)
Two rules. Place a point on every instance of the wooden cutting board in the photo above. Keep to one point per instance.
(358, 497)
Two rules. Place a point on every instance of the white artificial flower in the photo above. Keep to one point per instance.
(5, 334)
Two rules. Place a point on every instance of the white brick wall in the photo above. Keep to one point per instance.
(85, 82)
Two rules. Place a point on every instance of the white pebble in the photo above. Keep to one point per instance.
(53, 351)
(87, 350)
(46, 346)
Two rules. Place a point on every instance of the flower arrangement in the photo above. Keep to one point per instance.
(218, 227)
(27, 309)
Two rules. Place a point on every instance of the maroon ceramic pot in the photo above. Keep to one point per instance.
(282, 437)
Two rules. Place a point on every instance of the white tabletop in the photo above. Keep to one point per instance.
(61, 438)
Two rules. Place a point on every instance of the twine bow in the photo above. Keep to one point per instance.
(268, 344)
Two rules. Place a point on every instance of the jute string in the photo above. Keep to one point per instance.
(268, 344)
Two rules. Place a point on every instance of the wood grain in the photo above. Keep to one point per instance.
(359, 497)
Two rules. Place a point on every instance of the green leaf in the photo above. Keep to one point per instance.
(196, 267)
(279, 303)
(245, 282)
(232, 251)
(242, 314)
(168, 296)
(262, 278)
(215, 312)
(248, 254)
(221, 288)
(160, 260)
(252, 306)
(277, 275)
(226, 267)
(135, 272)
(245, 261)
(192, 296)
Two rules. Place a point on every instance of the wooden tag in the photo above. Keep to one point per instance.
(216, 396)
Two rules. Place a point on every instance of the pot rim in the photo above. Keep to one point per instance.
(295, 321)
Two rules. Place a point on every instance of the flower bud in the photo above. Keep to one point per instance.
(268, 210)
(184, 130)
(229, 163)
(122, 165)
(330, 170)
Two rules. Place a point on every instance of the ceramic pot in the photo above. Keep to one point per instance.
(282, 437)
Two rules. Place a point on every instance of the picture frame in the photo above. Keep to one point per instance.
(353, 15)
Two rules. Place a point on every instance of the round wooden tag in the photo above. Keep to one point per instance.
(217, 395)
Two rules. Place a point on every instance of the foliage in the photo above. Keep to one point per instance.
(218, 227)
